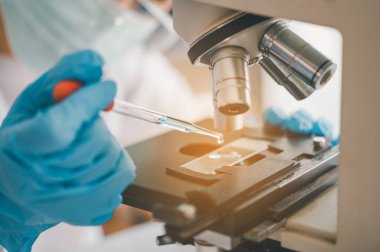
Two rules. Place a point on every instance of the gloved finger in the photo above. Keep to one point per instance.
(110, 198)
(12, 211)
(93, 139)
(84, 163)
(84, 66)
(102, 218)
(54, 129)
(97, 217)
(323, 127)
(102, 169)
(275, 116)
(87, 68)
(82, 57)
(90, 200)
(300, 122)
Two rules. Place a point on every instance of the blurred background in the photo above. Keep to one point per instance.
(159, 75)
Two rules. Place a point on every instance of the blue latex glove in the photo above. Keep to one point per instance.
(58, 162)
(299, 122)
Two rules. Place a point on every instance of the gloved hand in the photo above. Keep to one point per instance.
(58, 162)
(300, 122)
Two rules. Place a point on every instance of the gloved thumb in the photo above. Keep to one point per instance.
(57, 127)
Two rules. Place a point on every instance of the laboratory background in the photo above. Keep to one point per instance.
(130, 158)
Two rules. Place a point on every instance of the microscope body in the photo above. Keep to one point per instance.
(211, 29)
(228, 42)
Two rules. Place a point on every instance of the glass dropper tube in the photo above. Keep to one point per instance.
(138, 112)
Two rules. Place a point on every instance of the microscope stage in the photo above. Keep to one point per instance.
(193, 184)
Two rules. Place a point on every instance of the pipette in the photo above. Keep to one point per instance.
(132, 110)
(65, 88)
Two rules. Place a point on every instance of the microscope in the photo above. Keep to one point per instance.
(266, 189)
(228, 42)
